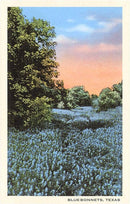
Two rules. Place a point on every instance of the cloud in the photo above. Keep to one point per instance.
(70, 20)
(102, 26)
(80, 28)
(99, 48)
(90, 66)
(90, 18)
(95, 66)
(115, 36)
(108, 26)
(67, 45)
(62, 39)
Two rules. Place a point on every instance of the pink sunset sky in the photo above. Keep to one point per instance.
(93, 66)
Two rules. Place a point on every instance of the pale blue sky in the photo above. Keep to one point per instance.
(91, 24)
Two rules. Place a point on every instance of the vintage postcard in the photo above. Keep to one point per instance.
(65, 102)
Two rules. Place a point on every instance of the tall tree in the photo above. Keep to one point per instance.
(32, 66)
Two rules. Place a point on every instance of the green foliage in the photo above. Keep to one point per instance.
(94, 100)
(118, 88)
(61, 105)
(108, 98)
(95, 103)
(32, 66)
(39, 113)
(59, 95)
(94, 97)
(77, 96)
(30, 113)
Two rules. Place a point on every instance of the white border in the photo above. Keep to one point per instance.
(125, 4)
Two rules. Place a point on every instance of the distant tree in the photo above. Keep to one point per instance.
(118, 88)
(59, 94)
(94, 96)
(77, 96)
(94, 100)
(32, 66)
(108, 99)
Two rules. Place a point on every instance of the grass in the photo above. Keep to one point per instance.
(67, 160)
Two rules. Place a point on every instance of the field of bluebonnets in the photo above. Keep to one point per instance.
(79, 153)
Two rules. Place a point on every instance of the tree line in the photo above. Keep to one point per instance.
(33, 84)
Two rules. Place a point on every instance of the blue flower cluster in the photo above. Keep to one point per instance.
(83, 163)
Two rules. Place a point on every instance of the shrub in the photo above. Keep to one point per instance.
(118, 88)
(30, 113)
(94, 100)
(77, 96)
(61, 105)
(108, 99)
(94, 103)
(39, 113)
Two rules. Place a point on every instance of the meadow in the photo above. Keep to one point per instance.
(79, 153)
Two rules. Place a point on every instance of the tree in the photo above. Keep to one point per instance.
(108, 98)
(59, 94)
(77, 96)
(94, 100)
(118, 88)
(32, 66)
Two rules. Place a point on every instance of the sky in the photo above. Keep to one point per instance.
(89, 44)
